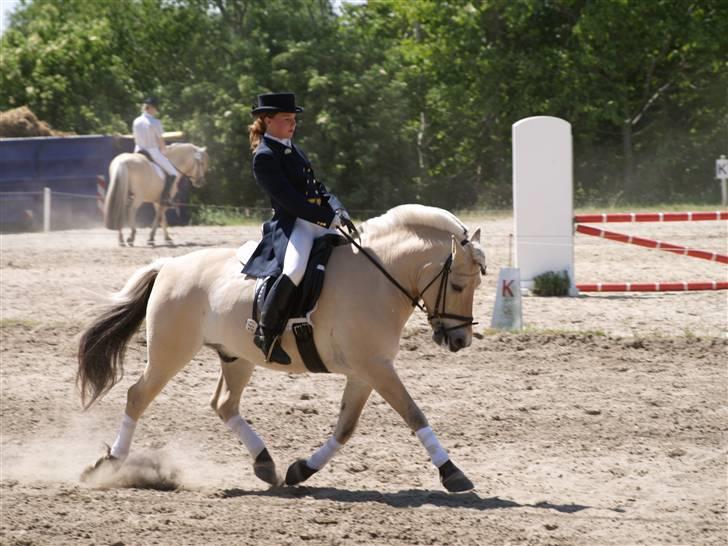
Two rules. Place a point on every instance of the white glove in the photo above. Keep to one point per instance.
(336, 222)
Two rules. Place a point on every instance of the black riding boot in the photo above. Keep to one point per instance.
(273, 318)
(168, 181)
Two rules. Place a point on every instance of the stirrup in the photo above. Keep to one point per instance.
(273, 352)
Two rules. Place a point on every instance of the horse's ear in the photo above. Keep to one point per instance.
(476, 237)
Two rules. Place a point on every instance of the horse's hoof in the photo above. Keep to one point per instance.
(453, 479)
(299, 472)
(265, 469)
(107, 465)
(150, 243)
(129, 243)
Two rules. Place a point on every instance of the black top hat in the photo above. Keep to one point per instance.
(276, 102)
(152, 101)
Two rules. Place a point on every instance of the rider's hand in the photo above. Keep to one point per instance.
(336, 222)
(347, 223)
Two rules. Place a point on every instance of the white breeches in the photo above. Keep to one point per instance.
(299, 248)
(161, 160)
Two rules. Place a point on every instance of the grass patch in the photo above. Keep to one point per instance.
(551, 283)
(227, 216)
(660, 207)
(544, 332)
(14, 322)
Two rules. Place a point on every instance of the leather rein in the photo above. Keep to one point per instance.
(416, 301)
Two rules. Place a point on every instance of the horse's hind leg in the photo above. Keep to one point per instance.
(171, 345)
(356, 394)
(234, 376)
(132, 210)
(158, 212)
(387, 383)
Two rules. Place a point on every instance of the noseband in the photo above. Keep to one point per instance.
(416, 301)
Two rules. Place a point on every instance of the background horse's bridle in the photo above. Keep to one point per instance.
(197, 161)
(417, 301)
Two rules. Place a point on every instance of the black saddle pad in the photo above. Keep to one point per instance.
(309, 290)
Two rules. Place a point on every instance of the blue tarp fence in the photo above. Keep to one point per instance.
(70, 166)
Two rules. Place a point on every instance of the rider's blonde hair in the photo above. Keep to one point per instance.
(256, 130)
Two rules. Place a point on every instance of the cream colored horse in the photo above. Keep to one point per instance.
(134, 181)
(201, 299)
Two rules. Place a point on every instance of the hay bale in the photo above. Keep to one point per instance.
(22, 122)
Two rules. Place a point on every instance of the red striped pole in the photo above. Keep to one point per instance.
(651, 217)
(653, 286)
(100, 192)
(649, 243)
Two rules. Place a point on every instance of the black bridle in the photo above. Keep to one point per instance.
(439, 307)
(198, 166)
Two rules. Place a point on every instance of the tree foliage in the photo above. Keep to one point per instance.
(405, 101)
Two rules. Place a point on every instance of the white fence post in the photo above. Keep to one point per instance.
(543, 198)
(46, 209)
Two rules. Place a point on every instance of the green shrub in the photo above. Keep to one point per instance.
(552, 283)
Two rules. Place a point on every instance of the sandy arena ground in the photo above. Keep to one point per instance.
(604, 422)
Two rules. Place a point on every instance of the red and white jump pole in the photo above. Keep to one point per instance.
(650, 243)
(544, 219)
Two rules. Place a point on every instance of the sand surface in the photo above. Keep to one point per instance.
(603, 422)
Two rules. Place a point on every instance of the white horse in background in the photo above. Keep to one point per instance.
(202, 299)
(134, 180)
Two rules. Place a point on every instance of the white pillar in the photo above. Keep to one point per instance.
(46, 209)
(543, 198)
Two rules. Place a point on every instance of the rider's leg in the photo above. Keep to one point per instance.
(172, 175)
(275, 309)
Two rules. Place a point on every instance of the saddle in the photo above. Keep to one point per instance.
(160, 172)
(304, 300)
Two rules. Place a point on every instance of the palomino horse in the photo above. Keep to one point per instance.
(134, 174)
(201, 298)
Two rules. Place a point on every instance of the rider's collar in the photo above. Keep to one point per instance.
(285, 141)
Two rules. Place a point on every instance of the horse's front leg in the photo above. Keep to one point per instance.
(387, 383)
(356, 394)
(234, 376)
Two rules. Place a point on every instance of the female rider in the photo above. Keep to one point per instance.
(303, 210)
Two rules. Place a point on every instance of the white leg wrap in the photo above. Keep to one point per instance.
(121, 446)
(324, 454)
(247, 435)
(432, 445)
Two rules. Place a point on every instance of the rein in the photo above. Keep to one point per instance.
(443, 275)
(197, 165)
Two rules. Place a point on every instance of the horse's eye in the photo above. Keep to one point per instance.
(456, 287)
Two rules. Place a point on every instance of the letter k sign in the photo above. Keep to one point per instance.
(507, 292)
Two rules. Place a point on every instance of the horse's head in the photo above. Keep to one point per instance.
(201, 162)
(449, 294)
(192, 161)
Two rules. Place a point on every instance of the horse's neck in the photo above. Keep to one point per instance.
(177, 154)
(405, 257)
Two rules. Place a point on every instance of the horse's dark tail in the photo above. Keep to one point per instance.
(103, 344)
